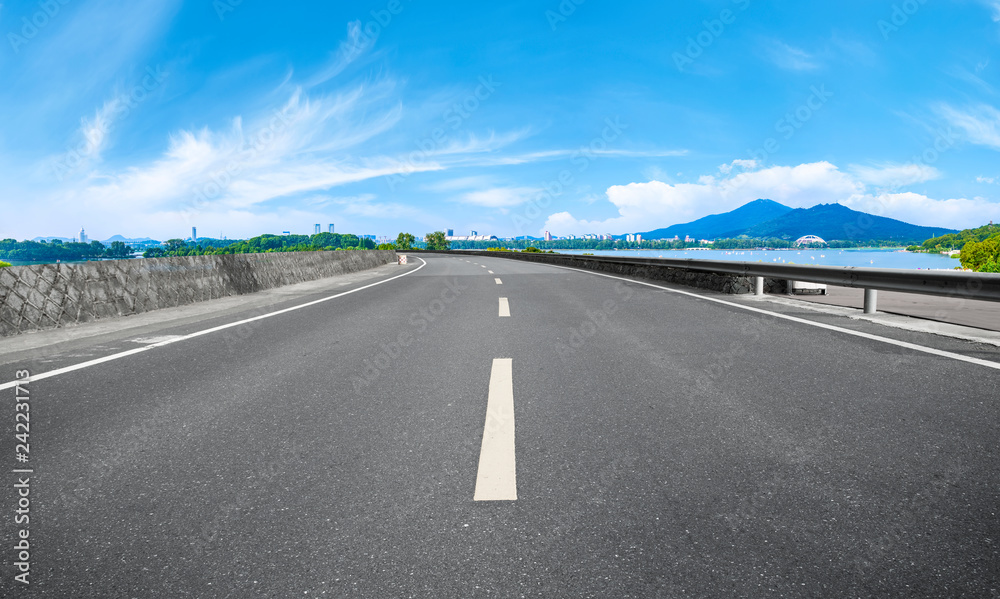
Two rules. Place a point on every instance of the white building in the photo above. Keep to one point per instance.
(808, 239)
(83, 235)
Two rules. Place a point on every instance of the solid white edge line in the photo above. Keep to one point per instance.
(504, 307)
(139, 350)
(830, 327)
(496, 477)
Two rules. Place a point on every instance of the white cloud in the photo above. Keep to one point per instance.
(790, 58)
(652, 205)
(895, 175)
(500, 197)
(746, 165)
(990, 180)
(95, 131)
(350, 50)
(981, 123)
(995, 6)
(918, 209)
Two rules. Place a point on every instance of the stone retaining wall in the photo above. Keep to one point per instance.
(47, 296)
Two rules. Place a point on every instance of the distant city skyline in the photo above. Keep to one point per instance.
(604, 118)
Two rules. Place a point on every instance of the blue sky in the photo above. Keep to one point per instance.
(242, 118)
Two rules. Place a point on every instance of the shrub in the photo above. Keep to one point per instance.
(4, 264)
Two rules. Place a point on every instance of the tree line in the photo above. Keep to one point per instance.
(53, 251)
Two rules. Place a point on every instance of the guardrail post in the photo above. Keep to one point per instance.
(871, 301)
(758, 286)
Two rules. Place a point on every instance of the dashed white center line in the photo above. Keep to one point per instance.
(496, 479)
(504, 307)
(483, 265)
(499, 282)
(490, 271)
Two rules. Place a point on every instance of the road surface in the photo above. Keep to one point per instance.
(482, 427)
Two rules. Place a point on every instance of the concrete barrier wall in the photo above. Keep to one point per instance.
(724, 283)
(47, 296)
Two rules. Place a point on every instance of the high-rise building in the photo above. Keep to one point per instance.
(317, 228)
(83, 235)
(474, 233)
(451, 232)
(331, 228)
(194, 233)
(548, 236)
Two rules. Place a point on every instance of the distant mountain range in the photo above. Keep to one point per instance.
(114, 238)
(728, 224)
(766, 218)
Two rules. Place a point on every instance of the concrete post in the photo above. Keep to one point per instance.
(758, 286)
(871, 301)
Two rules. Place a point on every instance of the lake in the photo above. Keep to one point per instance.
(870, 258)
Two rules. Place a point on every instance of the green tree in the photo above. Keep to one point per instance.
(982, 256)
(118, 251)
(4, 264)
(386, 246)
(175, 245)
(436, 241)
(405, 241)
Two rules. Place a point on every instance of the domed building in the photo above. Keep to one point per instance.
(809, 239)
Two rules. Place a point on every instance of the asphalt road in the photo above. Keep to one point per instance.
(666, 446)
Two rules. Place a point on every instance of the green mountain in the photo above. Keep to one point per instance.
(728, 224)
(836, 222)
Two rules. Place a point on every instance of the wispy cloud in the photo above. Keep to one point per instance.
(350, 50)
(500, 197)
(980, 123)
(895, 175)
(994, 6)
(789, 57)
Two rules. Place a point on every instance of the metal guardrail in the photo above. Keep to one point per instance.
(954, 284)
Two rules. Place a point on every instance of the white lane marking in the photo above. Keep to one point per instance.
(830, 327)
(490, 271)
(482, 265)
(154, 340)
(504, 307)
(499, 282)
(139, 350)
(496, 479)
